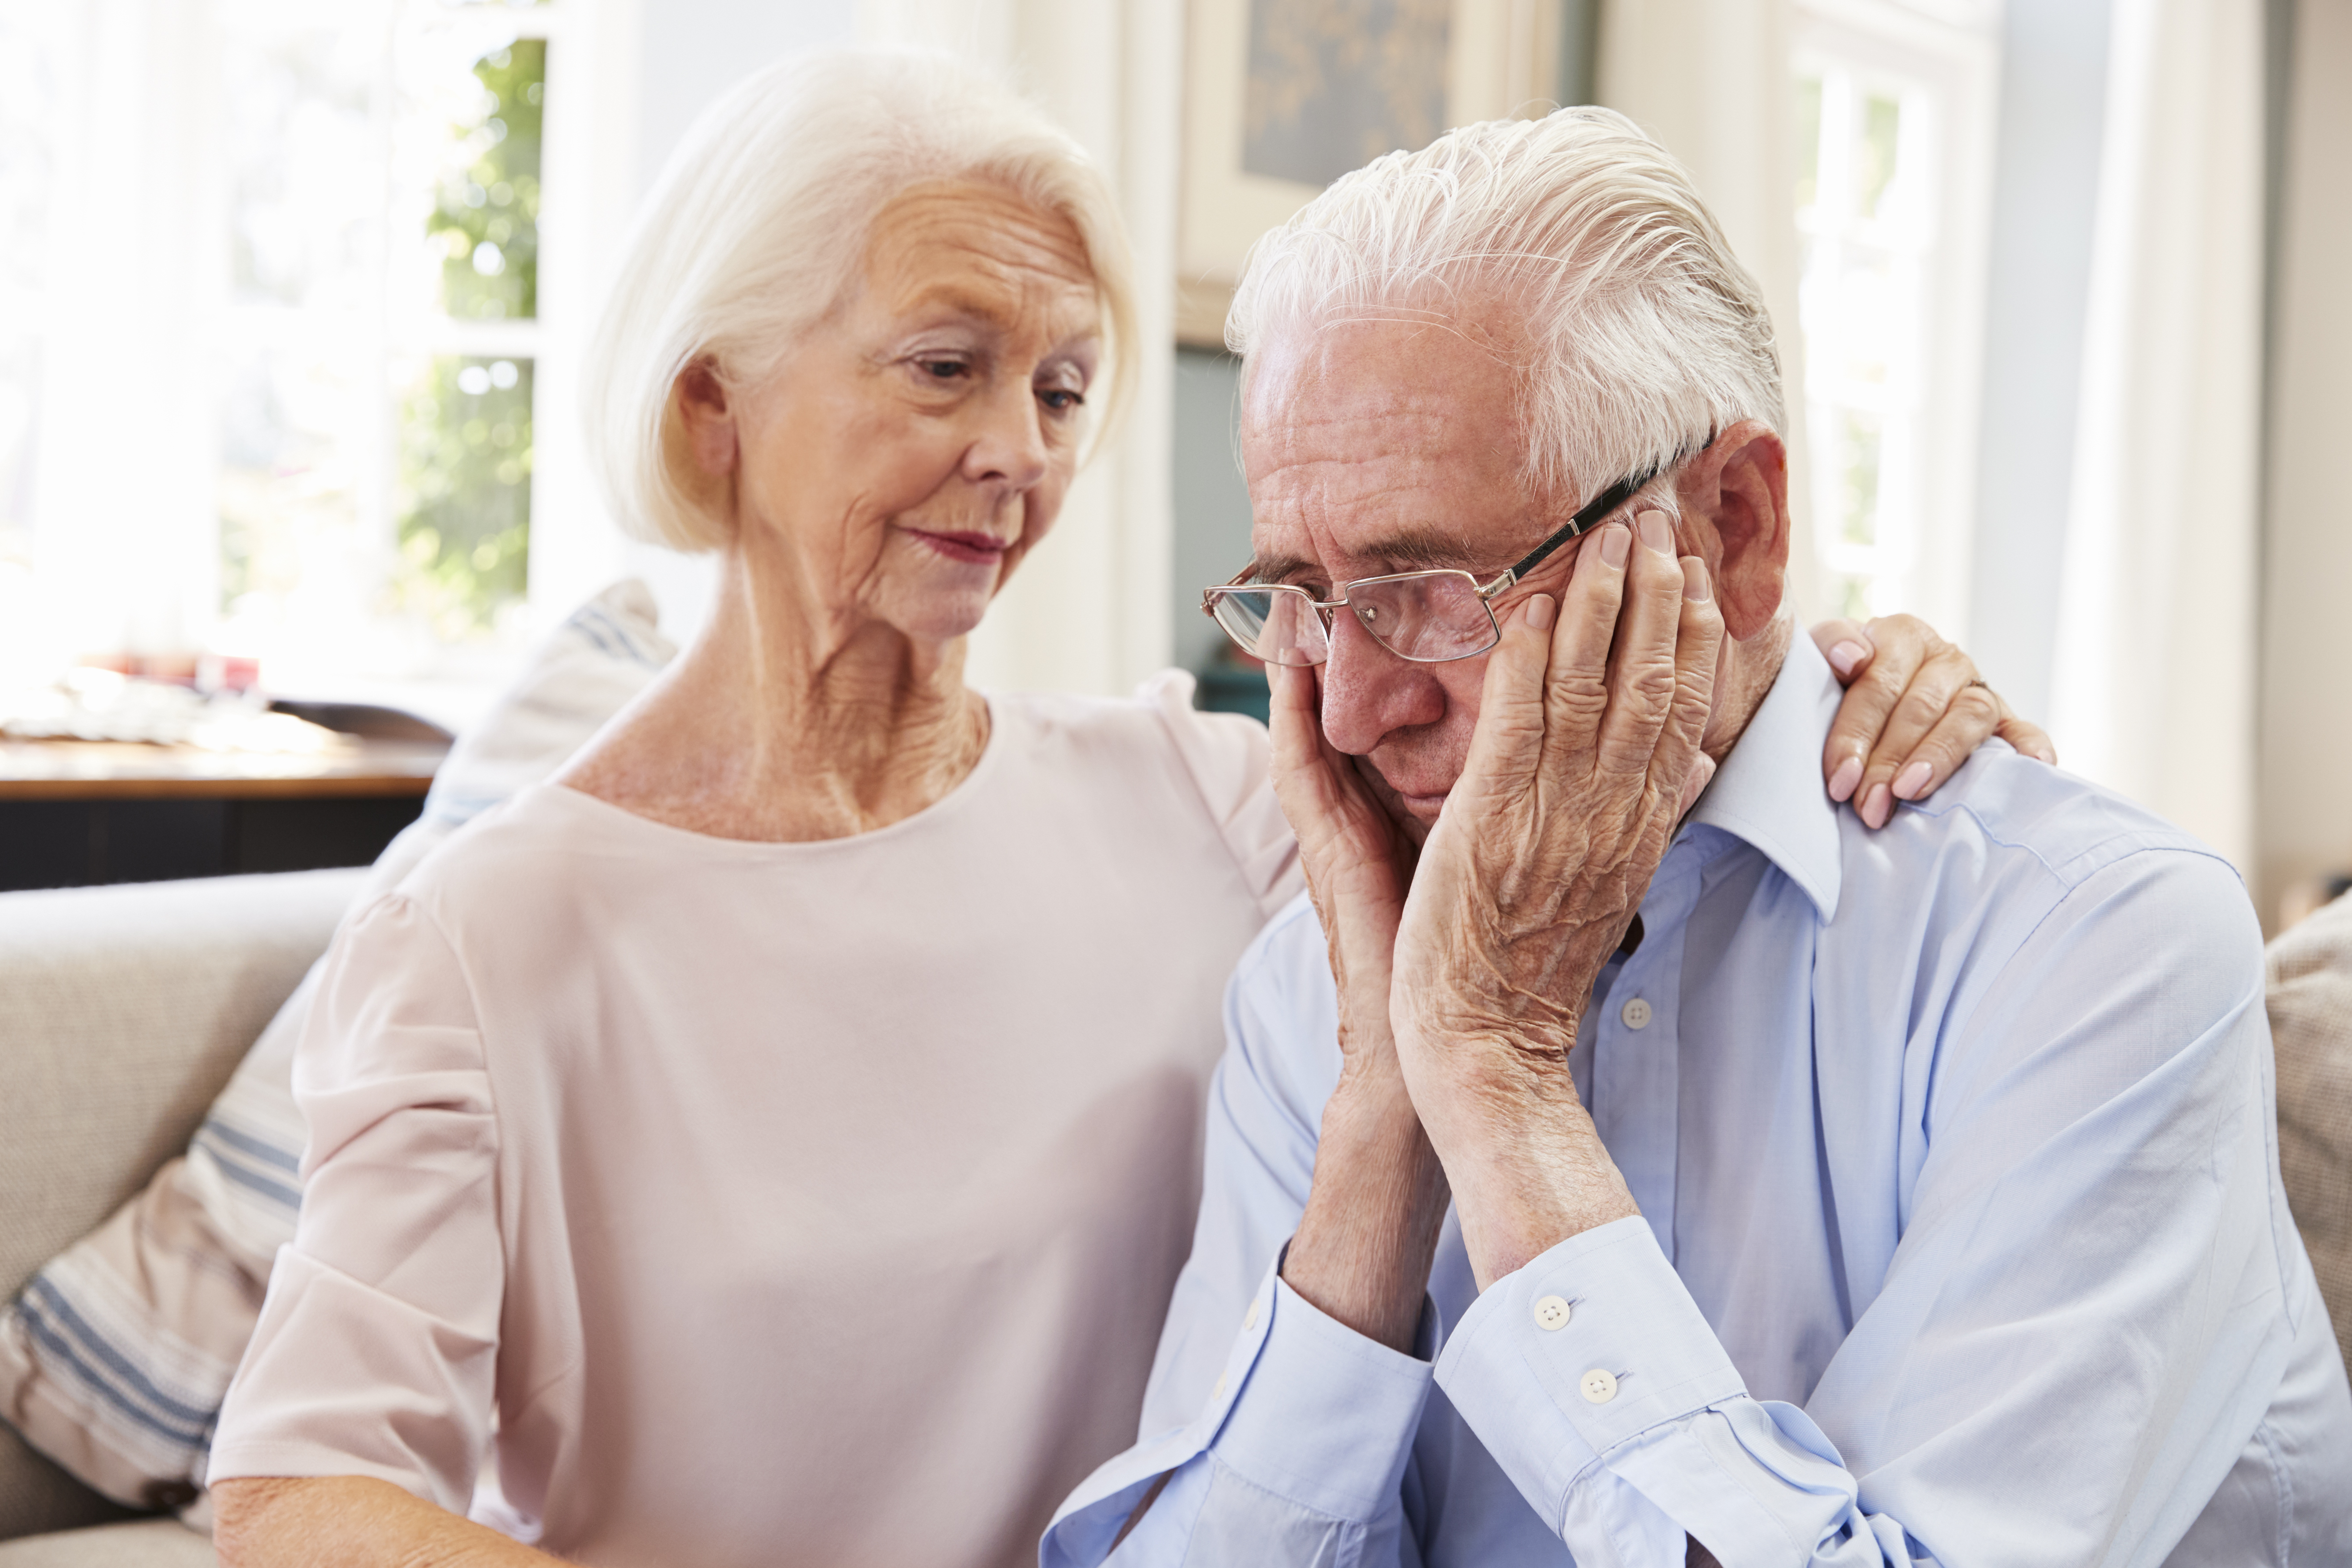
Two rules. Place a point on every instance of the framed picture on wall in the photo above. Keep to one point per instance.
(1284, 95)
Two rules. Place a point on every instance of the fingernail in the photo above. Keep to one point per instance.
(1616, 543)
(1848, 775)
(1877, 806)
(1911, 782)
(1846, 656)
(1538, 612)
(1656, 534)
(1695, 587)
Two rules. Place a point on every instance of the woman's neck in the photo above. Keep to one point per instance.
(790, 720)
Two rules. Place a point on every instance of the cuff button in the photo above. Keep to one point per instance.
(1599, 1387)
(1551, 1315)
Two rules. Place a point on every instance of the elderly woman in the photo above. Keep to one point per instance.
(776, 1140)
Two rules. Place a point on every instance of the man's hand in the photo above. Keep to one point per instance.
(1364, 1244)
(1580, 767)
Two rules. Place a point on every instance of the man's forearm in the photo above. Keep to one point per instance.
(1369, 1234)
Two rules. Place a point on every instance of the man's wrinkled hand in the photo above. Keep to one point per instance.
(1587, 752)
(1358, 864)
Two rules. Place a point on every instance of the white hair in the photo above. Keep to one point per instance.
(758, 227)
(1642, 334)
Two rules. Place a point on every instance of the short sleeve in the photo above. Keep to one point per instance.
(376, 1351)
(1227, 756)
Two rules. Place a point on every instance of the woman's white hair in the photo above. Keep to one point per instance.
(1642, 334)
(758, 227)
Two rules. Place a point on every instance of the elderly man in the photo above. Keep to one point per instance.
(1744, 1183)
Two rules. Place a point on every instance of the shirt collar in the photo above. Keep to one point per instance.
(1769, 791)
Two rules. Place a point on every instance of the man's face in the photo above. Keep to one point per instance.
(1384, 446)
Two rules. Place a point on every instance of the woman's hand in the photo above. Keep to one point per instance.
(1915, 709)
(1580, 765)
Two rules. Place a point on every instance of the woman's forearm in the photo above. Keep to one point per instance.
(350, 1522)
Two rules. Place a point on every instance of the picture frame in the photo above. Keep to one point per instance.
(1285, 95)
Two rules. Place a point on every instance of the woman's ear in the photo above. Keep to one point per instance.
(1738, 489)
(708, 418)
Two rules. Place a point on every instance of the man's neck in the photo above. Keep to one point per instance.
(1742, 680)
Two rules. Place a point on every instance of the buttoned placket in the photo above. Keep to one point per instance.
(1630, 1077)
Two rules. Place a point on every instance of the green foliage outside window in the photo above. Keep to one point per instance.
(487, 212)
(465, 491)
(466, 451)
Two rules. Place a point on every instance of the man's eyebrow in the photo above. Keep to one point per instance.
(1407, 549)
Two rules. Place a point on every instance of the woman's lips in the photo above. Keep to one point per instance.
(976, 549)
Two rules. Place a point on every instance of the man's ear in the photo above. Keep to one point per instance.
(707, 416)
(1738, 490)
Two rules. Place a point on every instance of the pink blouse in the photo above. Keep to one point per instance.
(772, 1203)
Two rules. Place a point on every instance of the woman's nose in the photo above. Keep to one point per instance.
(1010, 448)
(1369, 692)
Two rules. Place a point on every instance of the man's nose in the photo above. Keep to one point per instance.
(1369, 692)
(1009, 448)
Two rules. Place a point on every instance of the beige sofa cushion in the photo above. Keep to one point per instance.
(126, 1010)
(150, 1543)
(2310, 988)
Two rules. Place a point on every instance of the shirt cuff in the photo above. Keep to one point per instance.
(1323, 1415)
(1593, 1344)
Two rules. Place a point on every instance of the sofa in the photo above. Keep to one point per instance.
(122, 1012)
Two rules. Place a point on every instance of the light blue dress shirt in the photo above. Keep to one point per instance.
(1961, 1241)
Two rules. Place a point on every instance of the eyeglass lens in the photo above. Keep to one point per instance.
(1427, 617)
(1275, 624)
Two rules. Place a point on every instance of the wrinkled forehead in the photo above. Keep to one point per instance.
(978, 249)
(1357, 434)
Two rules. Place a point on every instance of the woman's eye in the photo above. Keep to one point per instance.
(1061, 400)
(942, 369)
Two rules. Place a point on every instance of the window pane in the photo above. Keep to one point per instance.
(1873, 157)
(1809, 141)
(486, 215)
(1857, 455)
(301, 408)
(463, 493)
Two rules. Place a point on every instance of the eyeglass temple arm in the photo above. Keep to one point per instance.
(1608, 501)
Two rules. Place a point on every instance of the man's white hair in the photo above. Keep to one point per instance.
(1642, 334)
(758, 227)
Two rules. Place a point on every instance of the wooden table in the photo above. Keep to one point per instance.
(75, 812)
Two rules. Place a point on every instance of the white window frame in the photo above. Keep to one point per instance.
(1945, 55)
(124, 550)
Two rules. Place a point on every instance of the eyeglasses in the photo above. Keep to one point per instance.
(1428, 617)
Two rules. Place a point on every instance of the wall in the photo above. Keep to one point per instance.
(2053, 104)
(1212, 531)
(2304, 787)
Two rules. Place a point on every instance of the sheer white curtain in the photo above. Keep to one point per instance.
(2154, 688)
(1089, 611)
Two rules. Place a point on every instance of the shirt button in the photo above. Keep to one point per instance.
(1551, 1313)
(1250, 1321)
(1219, 1391)
(1600, 1387)
(1636, 1014)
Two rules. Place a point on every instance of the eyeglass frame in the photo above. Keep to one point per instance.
(1585, 519)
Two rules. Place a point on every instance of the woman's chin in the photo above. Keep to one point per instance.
(942, 617)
